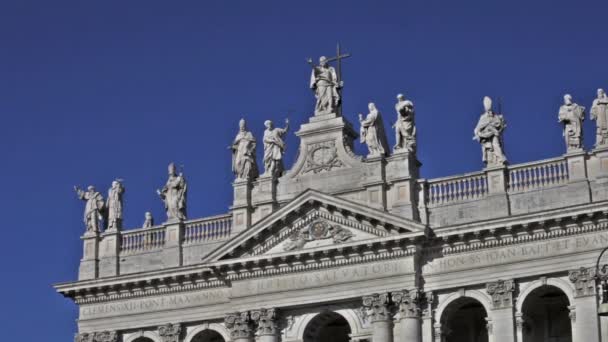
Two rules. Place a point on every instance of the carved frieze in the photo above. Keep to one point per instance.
(266, 320)
(377, 307)
(501, 292)
(322, 156)
(317, 230)
(170, 332)
(84, 337)
(584, 281)
(239, 325)
(409, 303)
(106, 336)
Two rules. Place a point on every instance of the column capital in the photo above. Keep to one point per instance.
(409, 302)
(583, 280)
(106, 336)
(501, 292)
(377, 306)
(84, 337)
(170, 332)
(239, 325)
(266, 320)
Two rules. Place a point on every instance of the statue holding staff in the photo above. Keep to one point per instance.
(93, 209)
(174, 194)
(489, 134)
(572, 116)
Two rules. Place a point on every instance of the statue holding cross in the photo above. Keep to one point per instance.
(326, 84)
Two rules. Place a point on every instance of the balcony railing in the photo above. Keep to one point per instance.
(209, 228)
(531, 176)
(142, 240)
(456, 189)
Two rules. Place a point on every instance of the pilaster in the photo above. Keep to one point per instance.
(170, 332)
(377, 306)
(401, 174)
(90, 252)
(108, 253)
(240, 326)
(409, 312)
(375, 189)
(264, 197)
(583, 312)
(172, 251)
(502, 326)
(241, 206)
(267, 329)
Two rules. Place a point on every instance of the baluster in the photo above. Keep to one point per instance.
(559, 174)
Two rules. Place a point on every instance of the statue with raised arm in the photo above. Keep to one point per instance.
(572, 116)
(244, 165)
(599, 113)
(372, 132)
(489, 134)
(93, 209)
(114, 205)
(274, 148)
(174, 194)
(325, 84)
(405, 127)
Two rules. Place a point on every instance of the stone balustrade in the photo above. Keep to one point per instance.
(538, 175)
(457, 188)
(208, 228)
(142, 240)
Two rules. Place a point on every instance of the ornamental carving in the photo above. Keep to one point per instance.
(170, 332)
(409, 303)
(377, 307)
(239, 325)
(106, 336)
(584, 281)
(84, 337)
(317, 230)
(322, 156)
(501, 292)
(266, 320)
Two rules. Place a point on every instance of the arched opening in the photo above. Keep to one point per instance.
(546, 316)
(327, 327)
(208, 335)
(143, 339)
(464, 320)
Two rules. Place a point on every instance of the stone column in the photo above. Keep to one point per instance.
(409, 311)
(89, 263)
(520, 322)
(377, 306)
(108, 253)
(170, 332)
(240, 327)
(583, 312)
(266, 320)
(502, 324)
(172, 251)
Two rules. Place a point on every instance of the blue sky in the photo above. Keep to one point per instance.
(93, 90)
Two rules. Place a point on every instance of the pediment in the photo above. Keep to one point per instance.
(314, 220)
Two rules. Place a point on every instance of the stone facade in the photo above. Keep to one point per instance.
(342, 247)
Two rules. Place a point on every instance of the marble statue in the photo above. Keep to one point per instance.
(572, 116)
(372, 132)
(325, 83)
(405, 127)
(114, 205)
(274, 148)
(93, 208)
(599, 113)
(174, 194)
(148, 220)
(244, 165)
(489, 134)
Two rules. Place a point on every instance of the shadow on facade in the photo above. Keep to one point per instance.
(464, 320)
(546, 316)
(327, 327)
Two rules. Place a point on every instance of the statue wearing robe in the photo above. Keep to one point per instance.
(572, 116)
(489, 134)
(93, 208)
(599, 113)
(372, 132)
(324, 82)
(405, 128)
(173, 195)
(274, 147)
(244, 164)
(114, 205)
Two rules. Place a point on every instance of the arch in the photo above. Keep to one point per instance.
(481, 297)
(351, 317)
(145, 334)
(220, 329)
(545, 315)
(566, 287)
(465, 318)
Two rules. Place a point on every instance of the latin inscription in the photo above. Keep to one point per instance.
(89, 311)
(516, 253)
(323, 278)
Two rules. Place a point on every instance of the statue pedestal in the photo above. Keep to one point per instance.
(89, 262)
(402, 169)
(241, 205)
(172, 251)
(108, 254)
(264, 197)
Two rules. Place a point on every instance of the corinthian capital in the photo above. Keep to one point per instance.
(266, 320)
(106, 336)
(239, 325)
(377, 306)
(584, 281)
(408, 301)
(170, 332)
(84, 337)
(501, 292)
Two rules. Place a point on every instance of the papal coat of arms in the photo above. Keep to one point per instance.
(317, 230)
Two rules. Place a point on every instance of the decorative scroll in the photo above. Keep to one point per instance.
(106, 336)
(266, 320)
(239, 325)
(377, 307)
(317, 230)
(501, 292)
(409, 303)
(584, 281)
(170, 332)
(322, 156)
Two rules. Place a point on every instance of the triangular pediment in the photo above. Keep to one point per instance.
(314, 220)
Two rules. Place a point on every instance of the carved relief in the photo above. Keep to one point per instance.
(317, 230)
(501, 292)
(239, 325)
(266, 320)
(322, 156)
(106, 336)
(584, 281)
(170, 332)
(84, 337)
(409, 302)
(377, 307)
